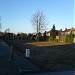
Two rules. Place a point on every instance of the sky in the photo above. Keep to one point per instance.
(17, 14)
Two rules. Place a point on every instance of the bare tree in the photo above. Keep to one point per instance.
(7, 30)
(39, 23)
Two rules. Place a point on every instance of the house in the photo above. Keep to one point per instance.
(48, 33)
(61, 34)
(9, 35)
(73, 31)
(58, 32)
(69, 31)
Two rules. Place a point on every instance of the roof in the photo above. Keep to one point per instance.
(48, 32)
(70, 30)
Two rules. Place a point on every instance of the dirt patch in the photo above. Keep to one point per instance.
(41, 44)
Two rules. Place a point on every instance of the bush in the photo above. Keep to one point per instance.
(50, 39)
(69, 38)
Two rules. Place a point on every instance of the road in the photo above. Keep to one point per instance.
(16, 65)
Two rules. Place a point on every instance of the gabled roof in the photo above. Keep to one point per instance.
(48, 32)
(70, 30)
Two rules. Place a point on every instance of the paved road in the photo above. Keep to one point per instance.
(15, 66)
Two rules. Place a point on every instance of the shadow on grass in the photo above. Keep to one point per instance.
(48, 58)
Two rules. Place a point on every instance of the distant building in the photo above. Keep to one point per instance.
(10, 36)
(69, 31)
(61, 34)
(48, 33)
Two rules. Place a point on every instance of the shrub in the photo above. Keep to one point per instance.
(69, 38)
(50, 39)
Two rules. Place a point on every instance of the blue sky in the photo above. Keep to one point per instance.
(16, 14)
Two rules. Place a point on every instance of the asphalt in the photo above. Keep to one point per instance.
(15, 65)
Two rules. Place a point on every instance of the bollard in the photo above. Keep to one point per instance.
(27, 53)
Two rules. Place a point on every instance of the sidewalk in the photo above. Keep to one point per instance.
(15, 66)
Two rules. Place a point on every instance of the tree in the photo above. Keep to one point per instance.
(45, 36)
(22, 36)
(53, 32)
(29, 37)
(7, 30)
(39, 23)
(65, 28)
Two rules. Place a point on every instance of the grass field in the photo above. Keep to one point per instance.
(53, 56)
(50, 56)
(46, 43)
